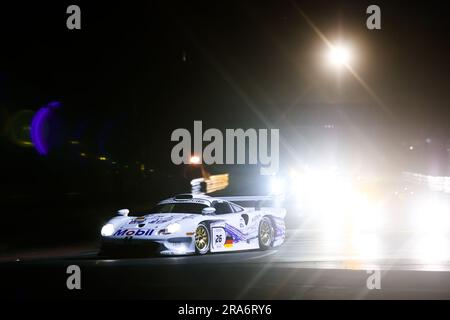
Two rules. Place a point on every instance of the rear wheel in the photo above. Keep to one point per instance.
(202, 239)
(265, 234)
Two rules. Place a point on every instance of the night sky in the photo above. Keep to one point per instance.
(137, 71)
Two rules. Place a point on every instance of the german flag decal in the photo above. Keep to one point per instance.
(228, 242)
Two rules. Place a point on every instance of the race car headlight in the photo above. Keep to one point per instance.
(107, 230)
(171, 228)
(174, 227)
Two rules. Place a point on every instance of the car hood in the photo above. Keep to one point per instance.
(157, 220)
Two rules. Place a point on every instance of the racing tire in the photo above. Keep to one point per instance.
(266, 234)
(202, 239)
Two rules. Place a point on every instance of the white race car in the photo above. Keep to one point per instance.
(191, 223)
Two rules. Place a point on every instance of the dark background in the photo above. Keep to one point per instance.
(137, 71)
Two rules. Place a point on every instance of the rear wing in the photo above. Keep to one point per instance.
(256, 199)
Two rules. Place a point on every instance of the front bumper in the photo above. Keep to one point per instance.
(132, 247)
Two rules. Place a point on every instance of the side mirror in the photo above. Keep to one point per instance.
(208, 210)
(123, 212)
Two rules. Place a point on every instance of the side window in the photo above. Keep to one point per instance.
(222, 208)
(237, 208)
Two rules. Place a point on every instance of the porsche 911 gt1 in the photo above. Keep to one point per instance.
(196, 224)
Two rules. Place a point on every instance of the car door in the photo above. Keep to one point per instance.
(234, 223)
(249, 220)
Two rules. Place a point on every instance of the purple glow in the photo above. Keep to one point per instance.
(36, 127)
(36, 130)
(54, 104)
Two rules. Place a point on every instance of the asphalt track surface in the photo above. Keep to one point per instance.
(310, 265)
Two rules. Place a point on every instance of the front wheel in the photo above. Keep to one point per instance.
(202, 239)
(265, 234)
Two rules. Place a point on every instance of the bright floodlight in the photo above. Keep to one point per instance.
(276, 186)
(430, 215)
(339, 55)
(194, 160)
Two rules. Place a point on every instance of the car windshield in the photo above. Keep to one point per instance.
(179, 208)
